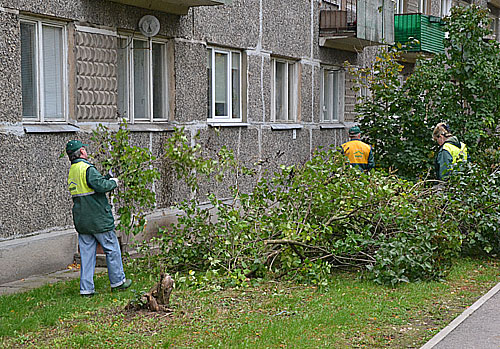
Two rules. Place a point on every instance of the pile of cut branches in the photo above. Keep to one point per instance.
(304, 221)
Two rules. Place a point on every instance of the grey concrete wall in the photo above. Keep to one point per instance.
(33, 188)
(191, 81)
(10, 69)
(235, 25)
(39, 254)
(102, 13)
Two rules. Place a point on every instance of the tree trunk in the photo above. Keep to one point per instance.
(158, 297)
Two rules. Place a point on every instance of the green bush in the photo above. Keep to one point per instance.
(305, 220)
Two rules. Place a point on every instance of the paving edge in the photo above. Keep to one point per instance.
(461, 318)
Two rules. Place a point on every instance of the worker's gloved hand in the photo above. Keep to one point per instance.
(114, 179)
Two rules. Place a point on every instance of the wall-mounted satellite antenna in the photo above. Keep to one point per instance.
(149, 25)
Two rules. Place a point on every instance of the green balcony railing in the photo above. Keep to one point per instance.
(427, 30)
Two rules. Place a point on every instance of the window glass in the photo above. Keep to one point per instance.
(43, 80)
(209, 87)
(122, 78)
(52, 72)
(221, 82)
(291, 91)
(158, 82)
(235, 84)
(140, 80)
(280, 90)
(331, 95)
(224, 85)
(327, 96)
(28, 70)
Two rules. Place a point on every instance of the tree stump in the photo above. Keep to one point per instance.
(158, 297)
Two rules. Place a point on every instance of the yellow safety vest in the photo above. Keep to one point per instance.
(356, 151)
(458, 154)
(77, 180)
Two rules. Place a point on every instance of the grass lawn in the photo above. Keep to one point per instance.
(349, 313)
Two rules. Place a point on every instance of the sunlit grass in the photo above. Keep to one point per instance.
(350, 312)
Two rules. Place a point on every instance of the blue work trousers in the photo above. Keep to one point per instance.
(111, 247)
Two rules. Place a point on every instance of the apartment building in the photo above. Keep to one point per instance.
(265, 78)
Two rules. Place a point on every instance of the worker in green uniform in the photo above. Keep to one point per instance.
(93, 219)
(451, 151)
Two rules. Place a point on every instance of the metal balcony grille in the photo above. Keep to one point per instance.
(343, 19)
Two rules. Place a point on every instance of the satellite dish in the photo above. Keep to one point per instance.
(149, 25)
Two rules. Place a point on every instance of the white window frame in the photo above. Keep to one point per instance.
(212, 117)
(291, 114)
(39, 74)
(338, 87)
(129, 83)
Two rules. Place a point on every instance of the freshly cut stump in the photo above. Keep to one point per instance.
(158, 297)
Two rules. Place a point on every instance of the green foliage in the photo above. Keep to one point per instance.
(133, 166)
(305, 220)
(460, 87)
(474, 197)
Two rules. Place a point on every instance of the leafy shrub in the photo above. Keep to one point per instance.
(303, 221)
(474, 197)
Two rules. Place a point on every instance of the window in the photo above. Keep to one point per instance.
(445, 7)
(423, 6)
(43, 71)
(224, 71)
(142, 80)
(332, 95)
(400, 7)
(284, 91)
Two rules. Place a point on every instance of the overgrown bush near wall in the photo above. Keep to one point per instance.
(305, 220)
(302, 221)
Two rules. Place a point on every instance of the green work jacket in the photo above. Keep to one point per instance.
(451, 152)
(91, 209)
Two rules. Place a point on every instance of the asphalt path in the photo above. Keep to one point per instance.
(478, 327)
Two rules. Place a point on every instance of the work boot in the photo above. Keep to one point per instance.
(126, 284)
(88, 295)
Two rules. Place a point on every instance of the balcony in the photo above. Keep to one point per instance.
(178, 7)
(356, 24)
(427, 30)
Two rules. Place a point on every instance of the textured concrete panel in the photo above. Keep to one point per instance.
(10, 69)
(242, 142)
(306, 112)
(350, 99)
(259, 88)
(37, 254)
(336, 57)
(191, 81)
(316, 90)
(170, 190)
(33, 186)
(235, 25)
(287, 27)
(96, 80)
(280, 148)
(103, 13)
(326, 137)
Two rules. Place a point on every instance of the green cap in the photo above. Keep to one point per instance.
(354, 130)
(74, 145)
